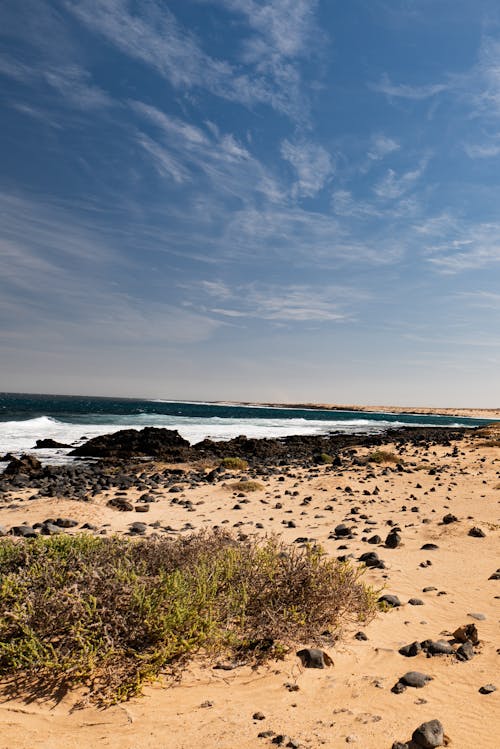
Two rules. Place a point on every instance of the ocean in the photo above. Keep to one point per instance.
(25, 418)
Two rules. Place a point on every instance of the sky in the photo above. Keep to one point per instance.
(274, 200)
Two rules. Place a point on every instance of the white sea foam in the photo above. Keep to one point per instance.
(20, 436)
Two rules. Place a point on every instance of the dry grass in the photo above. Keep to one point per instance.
(246, 486)
(383, 456)
(113, 613)
(236, 464)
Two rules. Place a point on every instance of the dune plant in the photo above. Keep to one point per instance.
(113, 613)
(236, 464)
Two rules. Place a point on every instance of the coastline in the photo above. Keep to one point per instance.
(472, 413)
(305, 500)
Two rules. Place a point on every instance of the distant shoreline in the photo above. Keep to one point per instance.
(473, 413)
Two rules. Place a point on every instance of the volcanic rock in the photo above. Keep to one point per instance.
(25, 464)
(429, 735)
(147, 442)
(314, 658)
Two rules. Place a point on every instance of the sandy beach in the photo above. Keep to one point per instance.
(440, 588)
(470, 413)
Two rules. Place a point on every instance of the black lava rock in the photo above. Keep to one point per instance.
(476, 533)
(390, 600)
(429, 735)
(314, 658)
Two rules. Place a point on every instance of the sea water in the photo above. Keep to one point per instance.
(26, 418)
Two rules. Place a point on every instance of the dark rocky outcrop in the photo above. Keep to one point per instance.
(48, 443)
(167, 444)
(26, 464)
(128, 443)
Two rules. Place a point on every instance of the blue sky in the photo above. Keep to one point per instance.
(247, 199)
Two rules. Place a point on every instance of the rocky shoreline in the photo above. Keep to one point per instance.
(418, 507)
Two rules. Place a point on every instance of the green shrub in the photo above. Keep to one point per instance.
(237, 464)
(383, 456)
(114, 613)
(323, 458)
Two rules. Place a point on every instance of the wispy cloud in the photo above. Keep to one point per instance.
(344, 204)
(183, 150)
(467, 246)
(406, 91)
(312, 164)
(72, 83)
(297, 303)
(284, 27)
(482, 299)
(482, 83)
(55, 284)
(489, 150)
(153, 35)
(392, 186)
(382, 146)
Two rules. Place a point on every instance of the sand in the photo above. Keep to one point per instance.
(352, 701)
(470, 413)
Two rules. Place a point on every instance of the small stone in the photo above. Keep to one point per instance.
(390, 600)
(429, 735)
(281, 740)
(258, 716)
(66, 523)
(371, 559)
(265, 734)
(429, 547)
(393, 540)
(415, 679)
(138, 529)
(439, 647)
(416, 602)
(25, 531)
(467, 632)
(488, 689)
(360, 636)
(207, 703)
(478, 617)
(476, 533)
(450, 519)
(49, 529)
(409, 651)
(352, 739)
(399, 745)
(398, 688)
(314, 658)
(342, 530)
(465, 652)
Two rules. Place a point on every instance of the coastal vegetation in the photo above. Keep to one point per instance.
(383, 456)
(111, 614)
(246, 486)
(235, 464)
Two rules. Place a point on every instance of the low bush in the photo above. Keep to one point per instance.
(236, 464)
(323, 459)
(114, 613)
(246, 486)
(383, 456)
